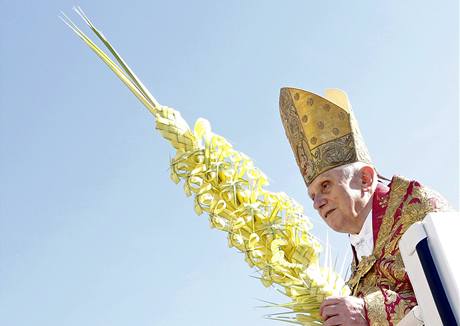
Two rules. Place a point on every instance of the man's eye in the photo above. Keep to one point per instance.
(326, 185)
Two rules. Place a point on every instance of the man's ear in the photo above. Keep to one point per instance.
(368, 175)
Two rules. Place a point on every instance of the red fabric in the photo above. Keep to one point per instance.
(379, 206)
(394, 296)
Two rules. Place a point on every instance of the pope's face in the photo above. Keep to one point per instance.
(339, 200)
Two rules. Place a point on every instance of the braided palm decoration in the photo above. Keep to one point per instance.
(268, 228)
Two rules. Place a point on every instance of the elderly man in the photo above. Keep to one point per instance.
(352, 198)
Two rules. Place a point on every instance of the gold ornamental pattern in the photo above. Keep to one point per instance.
(322, 135)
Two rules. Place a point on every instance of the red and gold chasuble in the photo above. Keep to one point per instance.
(381, 279)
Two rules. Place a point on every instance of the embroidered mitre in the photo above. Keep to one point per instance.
(322, 131)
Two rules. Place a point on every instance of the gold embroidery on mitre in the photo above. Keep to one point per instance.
(323, 133)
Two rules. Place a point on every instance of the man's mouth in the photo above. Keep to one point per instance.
(328, 213)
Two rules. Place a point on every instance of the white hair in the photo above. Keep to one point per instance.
(351, 170)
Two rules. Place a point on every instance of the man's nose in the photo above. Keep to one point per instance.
(319, 202)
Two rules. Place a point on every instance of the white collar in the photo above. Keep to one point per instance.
(365, 235)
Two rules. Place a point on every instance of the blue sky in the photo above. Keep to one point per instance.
(93, 232)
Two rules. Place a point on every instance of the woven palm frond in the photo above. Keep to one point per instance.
(269, 228)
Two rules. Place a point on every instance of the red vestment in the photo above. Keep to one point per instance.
(381, 279)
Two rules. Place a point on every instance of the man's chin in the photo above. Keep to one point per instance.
(332, 220)
(339, 229)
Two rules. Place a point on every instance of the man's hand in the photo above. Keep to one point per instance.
(343, 311)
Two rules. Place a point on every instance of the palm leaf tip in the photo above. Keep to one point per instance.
(123, 72)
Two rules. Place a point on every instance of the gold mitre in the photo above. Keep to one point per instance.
(323, 131)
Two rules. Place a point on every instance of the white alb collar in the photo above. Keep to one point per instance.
(365, 234)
